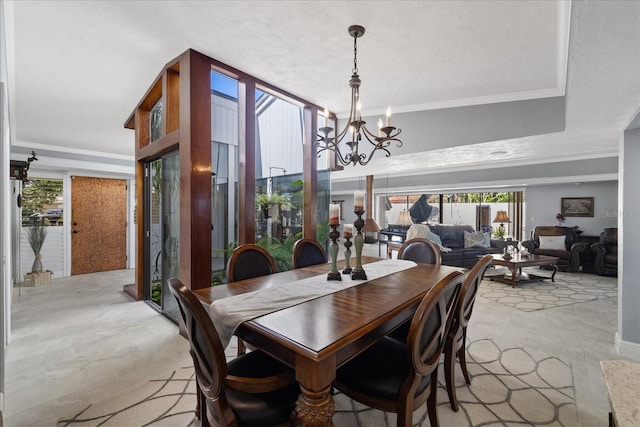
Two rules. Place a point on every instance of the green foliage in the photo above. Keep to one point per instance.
(37, 193)
(217, 278)
(156, 292)
(280, 251)
(476, 197)
(264, 200)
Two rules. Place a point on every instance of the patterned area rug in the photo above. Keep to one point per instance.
(509, 386)
(568, 288)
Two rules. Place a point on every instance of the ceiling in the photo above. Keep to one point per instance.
(80, 67)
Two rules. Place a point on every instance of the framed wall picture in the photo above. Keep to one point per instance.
(576, 206)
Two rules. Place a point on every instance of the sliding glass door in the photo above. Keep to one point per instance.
(162, 231)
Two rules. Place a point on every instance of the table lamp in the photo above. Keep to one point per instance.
(501, 218)
(404, 218)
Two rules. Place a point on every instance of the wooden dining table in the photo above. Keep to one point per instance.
(318, 336)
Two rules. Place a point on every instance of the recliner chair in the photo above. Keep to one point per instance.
(568, 251)
(607, 252)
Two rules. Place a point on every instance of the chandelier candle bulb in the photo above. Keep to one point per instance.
(358, 201)
(326, 116)
(388, 115)
(334, 214)
(380, 127)
(347, 230)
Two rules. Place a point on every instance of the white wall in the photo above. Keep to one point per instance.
(628, 335)
(543, 203)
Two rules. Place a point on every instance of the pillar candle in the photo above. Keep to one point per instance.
(358, 201)
(334, 214)
(347, 230)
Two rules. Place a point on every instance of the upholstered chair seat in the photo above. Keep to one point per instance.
(372, 374)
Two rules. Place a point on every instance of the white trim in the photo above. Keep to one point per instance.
(60, 149)
(627, 348)
(79, 167)
(66, 224)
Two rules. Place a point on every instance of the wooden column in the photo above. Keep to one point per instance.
(310, 168)
(247, 161)
(195, 170)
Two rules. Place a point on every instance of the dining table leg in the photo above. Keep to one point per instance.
(315, 406)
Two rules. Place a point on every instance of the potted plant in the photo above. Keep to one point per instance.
(265, 201)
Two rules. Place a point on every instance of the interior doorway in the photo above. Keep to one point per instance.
(98, 224)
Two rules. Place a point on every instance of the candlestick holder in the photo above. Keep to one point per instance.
(358, 272)
(334, 274)
(347, 256)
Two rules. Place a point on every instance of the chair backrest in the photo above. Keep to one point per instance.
(308, 252)
(469, 291)
(609, 238)
(420, 250)
(209, 360)
(431, 322)
(248, 261)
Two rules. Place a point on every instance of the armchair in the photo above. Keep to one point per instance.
(607, 252)
(561, 242)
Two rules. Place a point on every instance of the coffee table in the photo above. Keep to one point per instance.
(516, 262)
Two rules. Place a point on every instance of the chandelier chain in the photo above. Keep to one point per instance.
(355, 55)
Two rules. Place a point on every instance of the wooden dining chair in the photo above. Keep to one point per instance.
(248, 261)
(399, 377)
(417, 250)
(252, 390)
(420, 250)
(455, 345)
(307, 252)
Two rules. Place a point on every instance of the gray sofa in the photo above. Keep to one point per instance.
(452, 237)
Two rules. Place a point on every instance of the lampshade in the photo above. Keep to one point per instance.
(502, 217)
(404, 218)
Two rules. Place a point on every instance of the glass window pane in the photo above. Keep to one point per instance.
(224, 175)
(279, 176)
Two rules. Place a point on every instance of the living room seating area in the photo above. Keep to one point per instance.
(561, 242)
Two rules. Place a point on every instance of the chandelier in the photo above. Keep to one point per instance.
(356, 130)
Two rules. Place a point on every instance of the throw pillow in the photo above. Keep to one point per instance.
(477, 239)
(553, 243)
(418, 230)
(436, 239)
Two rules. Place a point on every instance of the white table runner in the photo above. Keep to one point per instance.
(228, 313)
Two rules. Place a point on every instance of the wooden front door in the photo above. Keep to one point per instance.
(98, 224)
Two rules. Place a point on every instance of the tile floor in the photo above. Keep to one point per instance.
(82, 340)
